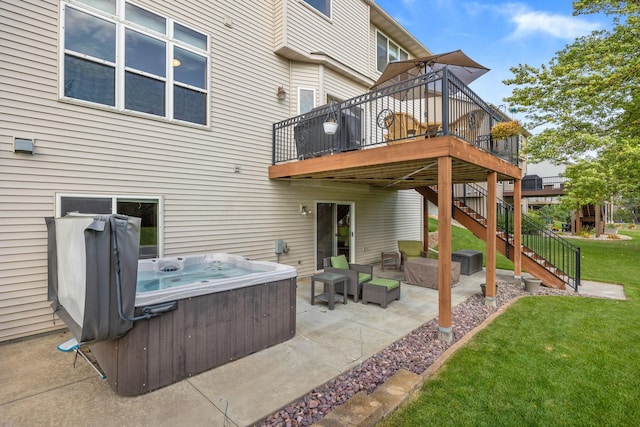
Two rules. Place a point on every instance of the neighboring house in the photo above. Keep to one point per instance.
(164, 110)
(472, 193)
(541, 186)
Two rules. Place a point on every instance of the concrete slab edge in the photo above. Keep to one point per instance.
(363, 410)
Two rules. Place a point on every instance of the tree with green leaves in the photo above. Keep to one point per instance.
(587, 99)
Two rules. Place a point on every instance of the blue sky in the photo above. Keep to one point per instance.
(497, 34)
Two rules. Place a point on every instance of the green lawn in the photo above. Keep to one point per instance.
(461, 239)
(548, 360)
(148, 235)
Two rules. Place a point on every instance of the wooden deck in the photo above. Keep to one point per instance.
(419, 162)
(401, 166)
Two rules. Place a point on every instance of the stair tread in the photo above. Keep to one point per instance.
(538, 260)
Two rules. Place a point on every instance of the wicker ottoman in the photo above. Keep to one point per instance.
(381, 291)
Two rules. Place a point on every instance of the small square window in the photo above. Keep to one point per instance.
(306, 101)
(322, 6)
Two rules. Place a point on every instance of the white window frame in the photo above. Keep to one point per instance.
(329, 4)
(170, 44)
(313, 91)
(114, 206)
(401, 51)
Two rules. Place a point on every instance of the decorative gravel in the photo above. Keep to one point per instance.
(414, 352)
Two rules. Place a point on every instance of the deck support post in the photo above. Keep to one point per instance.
(445, 201)
(492, 220)
(517, 231)
(425, 224)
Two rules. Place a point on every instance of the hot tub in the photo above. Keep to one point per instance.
(228, 307)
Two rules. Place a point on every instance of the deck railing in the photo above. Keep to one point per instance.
(533, 183)
(559, 254)
(429, 105)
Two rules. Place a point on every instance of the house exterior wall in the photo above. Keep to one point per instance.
(212, 182)
(306, 76)
(307, 31)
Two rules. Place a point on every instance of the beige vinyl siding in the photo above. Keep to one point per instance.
(279, 23)
(81, 149)
(307, 76)
(338, 86)
(324, 81)
(343, 37)
(373, 53)
(381, 218)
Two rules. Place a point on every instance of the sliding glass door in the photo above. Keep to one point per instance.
(334, 231)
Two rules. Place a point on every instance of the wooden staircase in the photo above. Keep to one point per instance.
(532, 262)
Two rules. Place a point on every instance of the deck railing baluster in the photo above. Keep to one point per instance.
(372, 119)
(539, 239)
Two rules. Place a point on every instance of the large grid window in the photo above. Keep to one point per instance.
(120, 55)
(387, 51)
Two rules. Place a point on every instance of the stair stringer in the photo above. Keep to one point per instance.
(480, 230)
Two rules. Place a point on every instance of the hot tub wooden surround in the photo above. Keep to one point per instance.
(203, 332)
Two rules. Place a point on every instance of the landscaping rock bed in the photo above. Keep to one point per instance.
(415, 352)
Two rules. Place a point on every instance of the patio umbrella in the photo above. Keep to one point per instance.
(458, 63)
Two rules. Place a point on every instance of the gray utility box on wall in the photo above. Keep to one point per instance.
(470, 261)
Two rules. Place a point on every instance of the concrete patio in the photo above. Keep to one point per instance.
(40, 386)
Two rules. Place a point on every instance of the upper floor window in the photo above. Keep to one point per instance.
(123, 56)
(387, 51)
(306, 100)
(322, 6)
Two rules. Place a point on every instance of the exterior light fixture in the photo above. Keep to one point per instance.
(304, 211)
(282, 93)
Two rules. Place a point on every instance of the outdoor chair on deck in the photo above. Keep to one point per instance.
(468, 125)
(410, 249)
(401, 126)
(356, 274)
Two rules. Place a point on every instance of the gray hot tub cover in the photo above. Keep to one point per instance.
(82, 273)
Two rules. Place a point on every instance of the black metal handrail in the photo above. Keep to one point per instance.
(558, 253)
(431, 104)
(534, 183)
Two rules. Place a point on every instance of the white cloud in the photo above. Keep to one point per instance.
(529, 22)
(559, 26)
